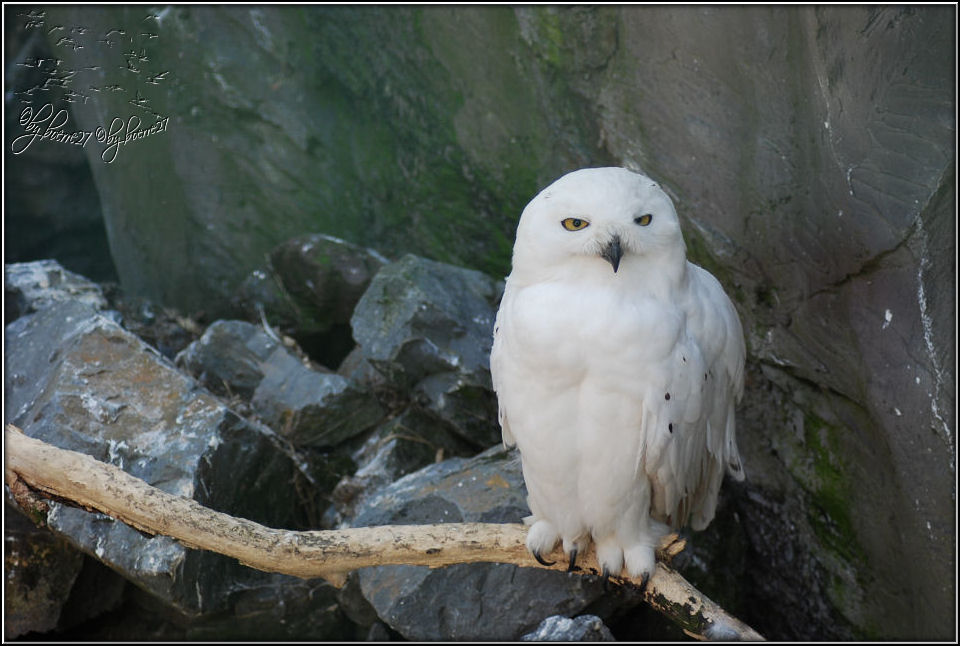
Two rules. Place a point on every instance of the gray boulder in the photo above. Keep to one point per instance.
(308, 289)
(411, 440)
(311, 408)
(31, 286)
(77, 380)
(314, 409)
(428, 327)
(231, 357)
(481, 601)
(585, 628)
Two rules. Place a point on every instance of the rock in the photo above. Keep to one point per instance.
(379, 633)
(354, 605)
(275, 608)
(79, 381)
(406, 443)
(480, 601)
(325, 277)
(164, 328)
(310, 408)
(468, 405)
(309, 289)
(420, 317)
(96, 594)
(585, 628)
(357, 368)
(40, 570)
(31, 286)
(314, 409)
(261, 297)
(311, 173)
(230, 357)
(429, 326)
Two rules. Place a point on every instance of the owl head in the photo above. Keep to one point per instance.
(599, 217)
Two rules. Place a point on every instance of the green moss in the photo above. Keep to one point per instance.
(823, 476)
(548, 34)
(698, 252)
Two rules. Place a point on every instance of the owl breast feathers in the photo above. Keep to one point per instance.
(617, 365)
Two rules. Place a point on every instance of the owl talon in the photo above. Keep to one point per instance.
(573, 561)
(605, 578)
(540, 560)
(643, 582)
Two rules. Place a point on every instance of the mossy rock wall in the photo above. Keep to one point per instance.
(809, 150)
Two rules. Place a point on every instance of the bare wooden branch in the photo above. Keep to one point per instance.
(94, 485)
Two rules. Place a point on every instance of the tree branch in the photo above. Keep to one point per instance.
(33, 467)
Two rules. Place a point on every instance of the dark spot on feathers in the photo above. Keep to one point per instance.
(670, 427)
(667, 396)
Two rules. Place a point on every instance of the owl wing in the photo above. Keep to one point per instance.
(497, 357)
(688, 419)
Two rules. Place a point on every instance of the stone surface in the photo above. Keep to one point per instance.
(230, 357)
(275, 608)
(585, 628)
(79, 381)
(428, 326)
(30, 286)
(402, 445)
(40, 568)
(481, 601)
(309, 407)
(97, 592)
(308, 290)
(314, 409)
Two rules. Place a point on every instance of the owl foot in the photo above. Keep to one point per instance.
(573, 560)
(640, 560)
(610, 555)
(541, 539)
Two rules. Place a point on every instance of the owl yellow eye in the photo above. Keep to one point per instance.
(643, 220)
(574, 224)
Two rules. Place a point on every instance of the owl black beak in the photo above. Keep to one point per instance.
(612, 253)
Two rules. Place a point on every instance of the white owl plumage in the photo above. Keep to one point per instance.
(617, 365)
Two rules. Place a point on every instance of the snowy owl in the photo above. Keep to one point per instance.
(617, 365)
